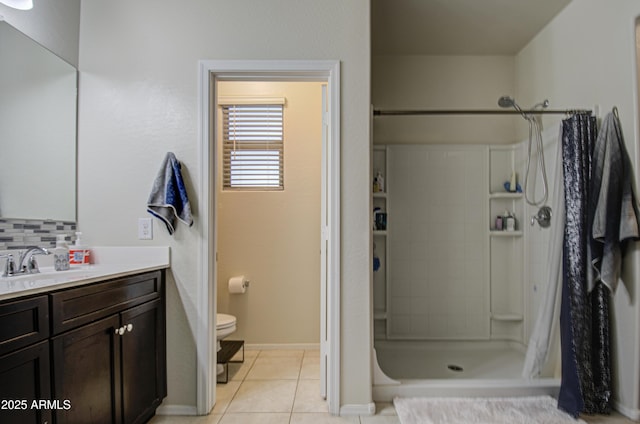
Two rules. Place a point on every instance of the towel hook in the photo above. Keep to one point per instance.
(615, 112)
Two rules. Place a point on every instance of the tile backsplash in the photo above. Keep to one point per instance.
(19, 233)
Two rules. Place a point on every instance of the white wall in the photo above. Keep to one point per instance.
(587, 56)
(273, 237)
(138, 99)
(442, 82)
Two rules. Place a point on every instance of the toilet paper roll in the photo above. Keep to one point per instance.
(238, 284)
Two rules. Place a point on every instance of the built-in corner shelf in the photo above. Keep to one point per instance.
(506, 248)
(502, 233)
(507, 317)
(380, 200)
(505, 195)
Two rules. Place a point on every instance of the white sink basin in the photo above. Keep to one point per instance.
(48, 273)
(45, 278)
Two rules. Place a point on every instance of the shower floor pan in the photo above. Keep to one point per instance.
(420, 368)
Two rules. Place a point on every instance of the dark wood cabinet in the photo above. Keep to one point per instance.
(85, 369)
(112, 370)
(23, 322)
(144, 382)
(25, 375)
(24, 379)
(105, 361)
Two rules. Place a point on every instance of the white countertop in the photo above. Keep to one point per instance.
(107, 263)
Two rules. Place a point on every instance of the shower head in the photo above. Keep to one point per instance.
(506, 101)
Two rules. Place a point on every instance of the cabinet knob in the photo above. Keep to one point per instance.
(120, 331)
(129, 327)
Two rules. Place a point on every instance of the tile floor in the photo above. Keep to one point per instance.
(275, 387)
(282, 387)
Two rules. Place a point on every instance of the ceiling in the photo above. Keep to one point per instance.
(458, 27)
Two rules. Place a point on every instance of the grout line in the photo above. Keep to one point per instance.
(295, 394)
(242, 380)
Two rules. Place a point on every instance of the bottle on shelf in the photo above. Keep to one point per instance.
(509, 221)
(380, 180)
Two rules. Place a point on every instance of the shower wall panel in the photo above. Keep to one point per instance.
(438, 255)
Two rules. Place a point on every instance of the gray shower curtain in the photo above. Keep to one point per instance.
(584, 316)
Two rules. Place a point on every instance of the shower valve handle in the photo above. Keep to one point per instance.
(543, 217)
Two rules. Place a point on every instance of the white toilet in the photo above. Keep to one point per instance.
(225, 326)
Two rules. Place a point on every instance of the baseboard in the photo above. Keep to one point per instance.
(176, 410)
(365, 409)
(282, 346)
(633, 414)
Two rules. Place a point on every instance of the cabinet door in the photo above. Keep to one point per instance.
(86, 365)
(25, 377)
(143, 361)
(23, 322)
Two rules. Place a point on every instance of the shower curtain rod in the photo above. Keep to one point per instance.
(478, 112)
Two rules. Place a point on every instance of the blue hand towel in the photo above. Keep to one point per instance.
(168, 200)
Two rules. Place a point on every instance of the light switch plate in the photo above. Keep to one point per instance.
(145, 229)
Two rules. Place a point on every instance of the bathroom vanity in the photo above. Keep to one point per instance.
(91, 350)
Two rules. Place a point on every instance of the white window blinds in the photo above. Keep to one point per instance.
(253, 146)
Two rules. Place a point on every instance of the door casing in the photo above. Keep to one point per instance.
(211, 71)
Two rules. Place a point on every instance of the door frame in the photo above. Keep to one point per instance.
(211, 71)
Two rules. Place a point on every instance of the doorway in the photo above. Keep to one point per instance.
(212, 72)
(268, 209)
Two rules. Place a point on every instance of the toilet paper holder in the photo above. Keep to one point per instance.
(238, 284)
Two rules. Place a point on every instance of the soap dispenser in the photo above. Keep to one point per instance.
(61, 254)
(79, 254)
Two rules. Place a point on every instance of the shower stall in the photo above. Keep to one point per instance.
(455, 290)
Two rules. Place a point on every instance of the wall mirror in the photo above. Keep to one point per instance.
(38, 111)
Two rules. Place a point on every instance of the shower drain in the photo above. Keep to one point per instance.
(456, 368)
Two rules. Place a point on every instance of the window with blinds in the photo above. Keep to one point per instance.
(252, 146)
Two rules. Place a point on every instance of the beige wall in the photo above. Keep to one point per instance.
(442, 82)
(139, 99)
(585, 57)
(273, 237)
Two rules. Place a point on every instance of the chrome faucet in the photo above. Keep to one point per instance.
(26, 263)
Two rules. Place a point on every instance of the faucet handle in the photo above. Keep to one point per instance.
(32, 265)
(9, 266)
